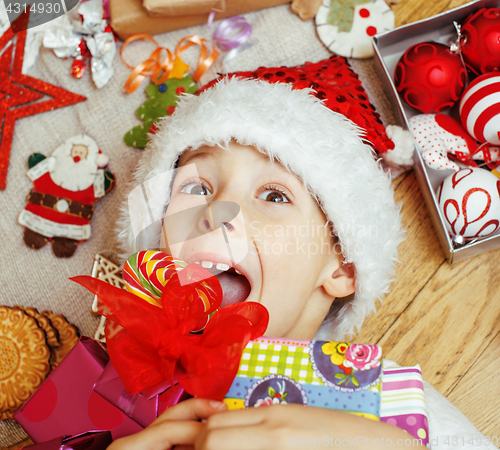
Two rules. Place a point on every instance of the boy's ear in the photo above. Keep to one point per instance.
(342, 281)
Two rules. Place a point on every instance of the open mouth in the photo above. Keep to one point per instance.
(235, 286)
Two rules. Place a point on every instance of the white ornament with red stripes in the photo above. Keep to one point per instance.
(469, 201)
(480, 108)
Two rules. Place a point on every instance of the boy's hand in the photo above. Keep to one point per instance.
(179, 426)
(286, 426)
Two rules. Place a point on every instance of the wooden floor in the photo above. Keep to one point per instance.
(444, 317)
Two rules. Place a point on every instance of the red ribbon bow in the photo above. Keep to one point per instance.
(147, 344)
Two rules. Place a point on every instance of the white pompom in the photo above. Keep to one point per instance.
(403, 146)
(102, 160)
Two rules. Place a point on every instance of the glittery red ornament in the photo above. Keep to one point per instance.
(22, 95)
(430, 77)
(481, 41)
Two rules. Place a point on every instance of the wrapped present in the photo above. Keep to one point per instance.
(91, 440)
(196, 7)
(65, 403)
(147, 353)
(403, 401)
(143, 408)
(129, 17)
(334, 375)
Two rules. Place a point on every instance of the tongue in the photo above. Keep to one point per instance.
(235, 288)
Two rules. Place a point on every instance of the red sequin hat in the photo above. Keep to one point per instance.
(338, 86)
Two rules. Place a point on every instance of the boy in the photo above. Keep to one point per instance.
(288, 163)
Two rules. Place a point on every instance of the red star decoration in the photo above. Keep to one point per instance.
(20, 94)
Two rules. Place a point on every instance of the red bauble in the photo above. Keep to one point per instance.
(430, 77)
(481, 41)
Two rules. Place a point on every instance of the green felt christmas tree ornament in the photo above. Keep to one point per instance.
(160, 103)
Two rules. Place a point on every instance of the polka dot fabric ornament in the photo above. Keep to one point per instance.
(481, 41)
(334, 82)
(346, 26)
(440, 135)
(480, 108)
(469, 201)
(430, 77)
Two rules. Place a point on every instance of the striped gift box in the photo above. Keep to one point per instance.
(403, 401)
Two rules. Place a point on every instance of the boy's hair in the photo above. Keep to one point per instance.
(323, 148)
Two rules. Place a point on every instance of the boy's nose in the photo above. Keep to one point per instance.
(207, 225)
(219, 214)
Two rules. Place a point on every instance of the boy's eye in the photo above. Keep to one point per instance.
(274, 196)
(195, 189)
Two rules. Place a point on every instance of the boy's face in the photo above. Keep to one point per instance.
(238, 209)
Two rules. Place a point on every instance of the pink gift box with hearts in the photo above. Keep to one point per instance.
(66, 404)
(145, 407)
(92, 440)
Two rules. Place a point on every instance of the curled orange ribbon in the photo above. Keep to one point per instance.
(159, 70)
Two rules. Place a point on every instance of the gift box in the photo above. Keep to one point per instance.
(334, 375)
(197, 7)
(145, 407)
(389, 47)
(92, 440)
(403, 401)
(129, 17)
(65, 403)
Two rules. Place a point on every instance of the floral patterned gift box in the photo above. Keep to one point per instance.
(334, 375)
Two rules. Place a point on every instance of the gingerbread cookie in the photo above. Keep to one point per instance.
(45, 323)
(7, 415)
(24, 357)
(68, 337)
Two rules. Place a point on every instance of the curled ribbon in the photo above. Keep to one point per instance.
(231, 35)
(147, 344)
(159, 70)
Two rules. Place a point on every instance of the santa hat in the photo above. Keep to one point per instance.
(323, 148)
(340, 89)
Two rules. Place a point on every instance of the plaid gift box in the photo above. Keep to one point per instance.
(334, 375)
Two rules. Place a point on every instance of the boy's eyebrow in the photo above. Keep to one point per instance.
(194, 154)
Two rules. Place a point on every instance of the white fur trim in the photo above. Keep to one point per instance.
(40, 169)
(102, 160)
(403, 146)
(321, 147)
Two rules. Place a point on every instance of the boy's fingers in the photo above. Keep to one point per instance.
(240, 417)
(161, 436)
(192, 409)
(241, 438)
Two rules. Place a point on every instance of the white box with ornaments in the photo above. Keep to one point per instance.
(389, 47)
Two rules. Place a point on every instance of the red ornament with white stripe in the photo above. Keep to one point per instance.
(480, 108)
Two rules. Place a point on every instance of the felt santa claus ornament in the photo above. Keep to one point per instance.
(66, 186)
(334, 83)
